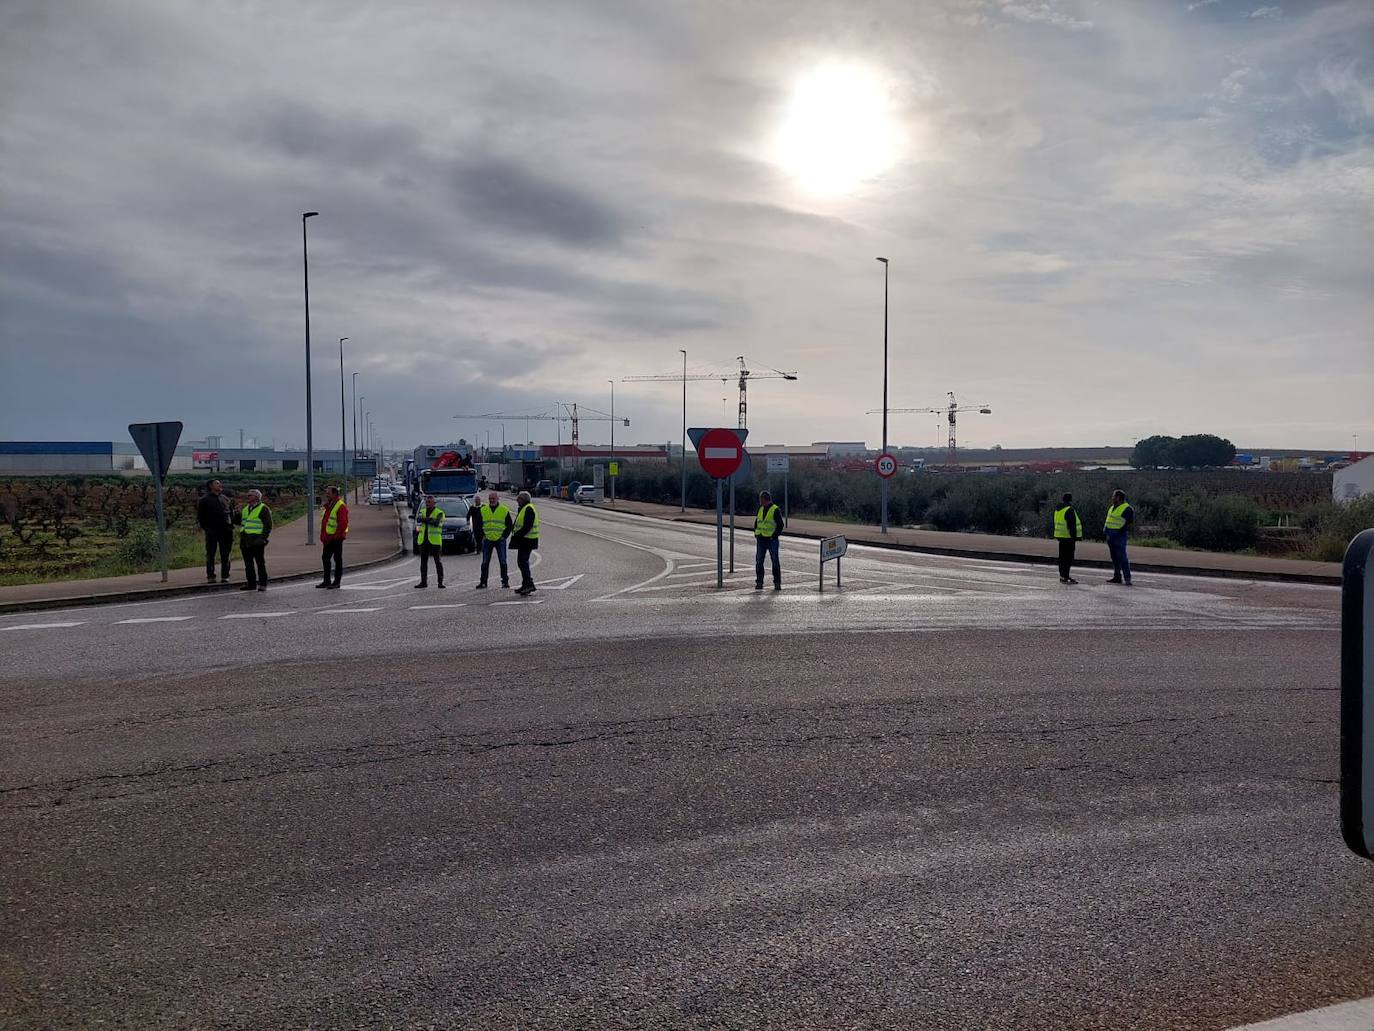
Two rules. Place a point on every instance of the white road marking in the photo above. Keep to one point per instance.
(1348, 1016)
(154, 619)
(255, 615)
(553, 585)
(527, 601)
(455, 605)
(42, 626)
(332, 611)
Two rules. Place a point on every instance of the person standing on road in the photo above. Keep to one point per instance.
(255, 527)
(217, 520)
(768, 525)
(475, 521)
(429, 541)
(525, 539)
(1120, 516)
(333, 533)
(496, 527)
(1068, 531)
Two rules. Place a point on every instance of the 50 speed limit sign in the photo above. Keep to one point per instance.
(886, 466)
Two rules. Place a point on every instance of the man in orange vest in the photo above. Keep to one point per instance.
(333, 532)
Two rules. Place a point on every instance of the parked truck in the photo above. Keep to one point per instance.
(441, 469)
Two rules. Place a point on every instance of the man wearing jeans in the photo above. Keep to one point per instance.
(216, 519)
(497, 525)
(767, 529)
(1120, 516)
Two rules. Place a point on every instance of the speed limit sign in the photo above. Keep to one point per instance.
(886, 466)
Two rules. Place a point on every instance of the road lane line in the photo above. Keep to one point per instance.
(454, 605)
(527, 601)
(42, 626)
(255, 615)
(334, 611)
(154, 619)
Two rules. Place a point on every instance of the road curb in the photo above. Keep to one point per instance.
(156, 593)
(1316, 579)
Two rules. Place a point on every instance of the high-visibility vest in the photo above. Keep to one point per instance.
(533, 535)
(1061, 524)
(429, 527)
(494, 521)
(331, 522)
(764, 523)
(1116, 516)
(252, 520)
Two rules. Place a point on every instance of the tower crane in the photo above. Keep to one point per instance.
(951, 411)
(744, 374)
(573, 416)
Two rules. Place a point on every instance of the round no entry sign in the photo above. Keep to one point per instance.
(720, 453)
(886, 466)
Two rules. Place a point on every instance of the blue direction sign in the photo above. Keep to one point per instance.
(1357, 696)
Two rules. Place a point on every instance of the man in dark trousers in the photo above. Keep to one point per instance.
(1120, 516)
(333, 533)
(429, 541)
(217, 520)
(525, 540)
(496, 528)
(1068, 531)
(255, 526)
(767, 529)
(475, 521)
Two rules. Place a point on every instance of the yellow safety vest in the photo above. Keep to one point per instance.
(252, 520)
(430, 526)
(1061, 524)
(1116, 516)
(764, 523)
(533, 535)
(494, 522)
(331, 522)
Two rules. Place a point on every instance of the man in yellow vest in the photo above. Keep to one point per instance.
(496, 527)
(333, 533)
(525, 540)
(1120, 516)
(255, 526)
(1068, 531)
(767, 529)
(429, 541)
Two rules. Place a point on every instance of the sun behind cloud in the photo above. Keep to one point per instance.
(838, 129)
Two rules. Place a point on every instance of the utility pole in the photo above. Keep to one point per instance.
(684, 430)
(884, 451)
(612, 383)
(343, 422)
(309, 432)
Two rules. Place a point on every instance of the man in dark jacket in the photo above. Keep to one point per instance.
(525, 540)
(255, 527)
(217, 520)
(1120, 517)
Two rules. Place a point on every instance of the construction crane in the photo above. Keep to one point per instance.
(574, 416)
(951, 411)
(744, 374)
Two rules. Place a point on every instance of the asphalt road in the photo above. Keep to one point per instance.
(951, 794)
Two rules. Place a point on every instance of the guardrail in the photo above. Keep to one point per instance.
(1357, 697)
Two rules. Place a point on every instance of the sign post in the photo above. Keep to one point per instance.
(157, 442)
(614, 470)
(1357, 696)
(781, 464)
(832, 549)
(741, 475)
(720, 453)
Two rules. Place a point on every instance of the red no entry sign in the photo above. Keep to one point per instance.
(886, 466)
(720, 453)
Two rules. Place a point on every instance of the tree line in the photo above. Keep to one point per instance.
(1194, 451)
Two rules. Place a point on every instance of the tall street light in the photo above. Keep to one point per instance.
(343, 421)
(309, 433)
(612, 383)
(367, 433)
(684, 430)
(355, 434)
(884, 451)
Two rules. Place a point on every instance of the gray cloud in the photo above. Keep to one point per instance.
(504, 194)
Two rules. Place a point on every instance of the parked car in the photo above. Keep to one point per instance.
(543, 489)
(381, 495)
(586, 494)
(457, 532)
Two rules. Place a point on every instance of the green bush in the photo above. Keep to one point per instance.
(1214, 524)
(139, 547)
(979, 504)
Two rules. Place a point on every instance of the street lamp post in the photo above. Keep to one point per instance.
(355, 433)
(612, 383)
(309, 434)
(884, 451)
(367, 435)
(684, 430)
(343, 421)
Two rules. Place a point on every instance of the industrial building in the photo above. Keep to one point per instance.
(59, 457)
(1354, 481)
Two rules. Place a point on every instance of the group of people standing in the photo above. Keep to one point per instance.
(1068, 531)
(217, 518)
(494, 526)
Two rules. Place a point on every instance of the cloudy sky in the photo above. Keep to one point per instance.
(1105, 218)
